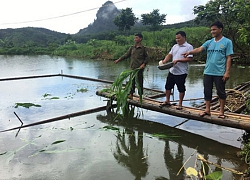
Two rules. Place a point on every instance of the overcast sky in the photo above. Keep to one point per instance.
(69, 16)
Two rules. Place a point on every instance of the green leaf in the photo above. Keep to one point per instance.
(26, 105)
(82, 90)
(217, 175)
(55, 98)
(60, 141)
(122, 91)
(46, 94)
(111, 128)
(3, 153)
(164, 136)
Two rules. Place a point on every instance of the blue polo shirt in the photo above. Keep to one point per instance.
(217, 53)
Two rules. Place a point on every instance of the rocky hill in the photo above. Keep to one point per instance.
(104, 19)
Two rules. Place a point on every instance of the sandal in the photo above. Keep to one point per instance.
(178, 108)
(222, 116)
(165, 104)
(204, 113)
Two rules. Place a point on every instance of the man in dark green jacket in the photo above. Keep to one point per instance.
(139, 58)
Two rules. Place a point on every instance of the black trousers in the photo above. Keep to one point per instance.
(208, 87)
(140, 80)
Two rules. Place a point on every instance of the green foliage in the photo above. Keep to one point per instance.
(217, 175)
(82, 90)
(112, 43)
(159, 43)
(154, 19)
(125, 19)
(111, 128)
(234, 14)
(26, 105)
(121, 92)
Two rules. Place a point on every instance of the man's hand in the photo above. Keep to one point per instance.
(142, 66)
(226, 77)
(175, 62)
(185, 54)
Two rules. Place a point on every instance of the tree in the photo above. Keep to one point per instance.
(234, 14)
(154, 19)
(243, 8)
(125, 19)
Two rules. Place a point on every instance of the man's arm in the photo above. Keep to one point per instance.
(194, 51)
(167, 58)
(187, 59)
(228, 67)
(125, 56)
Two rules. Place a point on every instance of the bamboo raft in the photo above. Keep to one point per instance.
(236, 99)
(234, 120)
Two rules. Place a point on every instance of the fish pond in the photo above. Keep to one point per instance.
(94, 144)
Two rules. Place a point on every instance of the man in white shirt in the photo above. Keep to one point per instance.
(178, 73)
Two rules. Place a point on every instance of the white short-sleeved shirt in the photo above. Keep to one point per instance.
(176, 52)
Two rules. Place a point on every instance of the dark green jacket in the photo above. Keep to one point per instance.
(137, 56)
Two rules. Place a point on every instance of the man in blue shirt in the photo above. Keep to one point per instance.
(219, 50)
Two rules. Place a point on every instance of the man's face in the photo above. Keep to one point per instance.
(180, 39)
(137, 39)
(215, 31)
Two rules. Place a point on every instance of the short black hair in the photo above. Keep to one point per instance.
(182, 33)
(139, 35)
(218, 24)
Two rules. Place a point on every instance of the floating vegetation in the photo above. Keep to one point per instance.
(54, 98)
(111, 128)
(26, 105)
(3, 153)
(46, 96)
(164, 136)
(51, 150)
(82, 90)
(57, 142)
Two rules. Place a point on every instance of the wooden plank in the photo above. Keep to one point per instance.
(234, 120)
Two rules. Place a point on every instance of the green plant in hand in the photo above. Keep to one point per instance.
(121, 91)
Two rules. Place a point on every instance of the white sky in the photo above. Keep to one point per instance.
(73, 15)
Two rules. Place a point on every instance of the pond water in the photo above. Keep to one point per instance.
(97, 145)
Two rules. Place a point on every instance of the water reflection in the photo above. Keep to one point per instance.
(133, 154)
(130, 152)
(173, 161)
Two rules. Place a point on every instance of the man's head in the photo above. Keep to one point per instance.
(138, 38)
(216, 29)
(180, 37)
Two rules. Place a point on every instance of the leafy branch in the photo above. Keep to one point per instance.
(121, 91)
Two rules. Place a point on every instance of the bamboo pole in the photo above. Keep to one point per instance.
(67, 116)
(28, 77)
